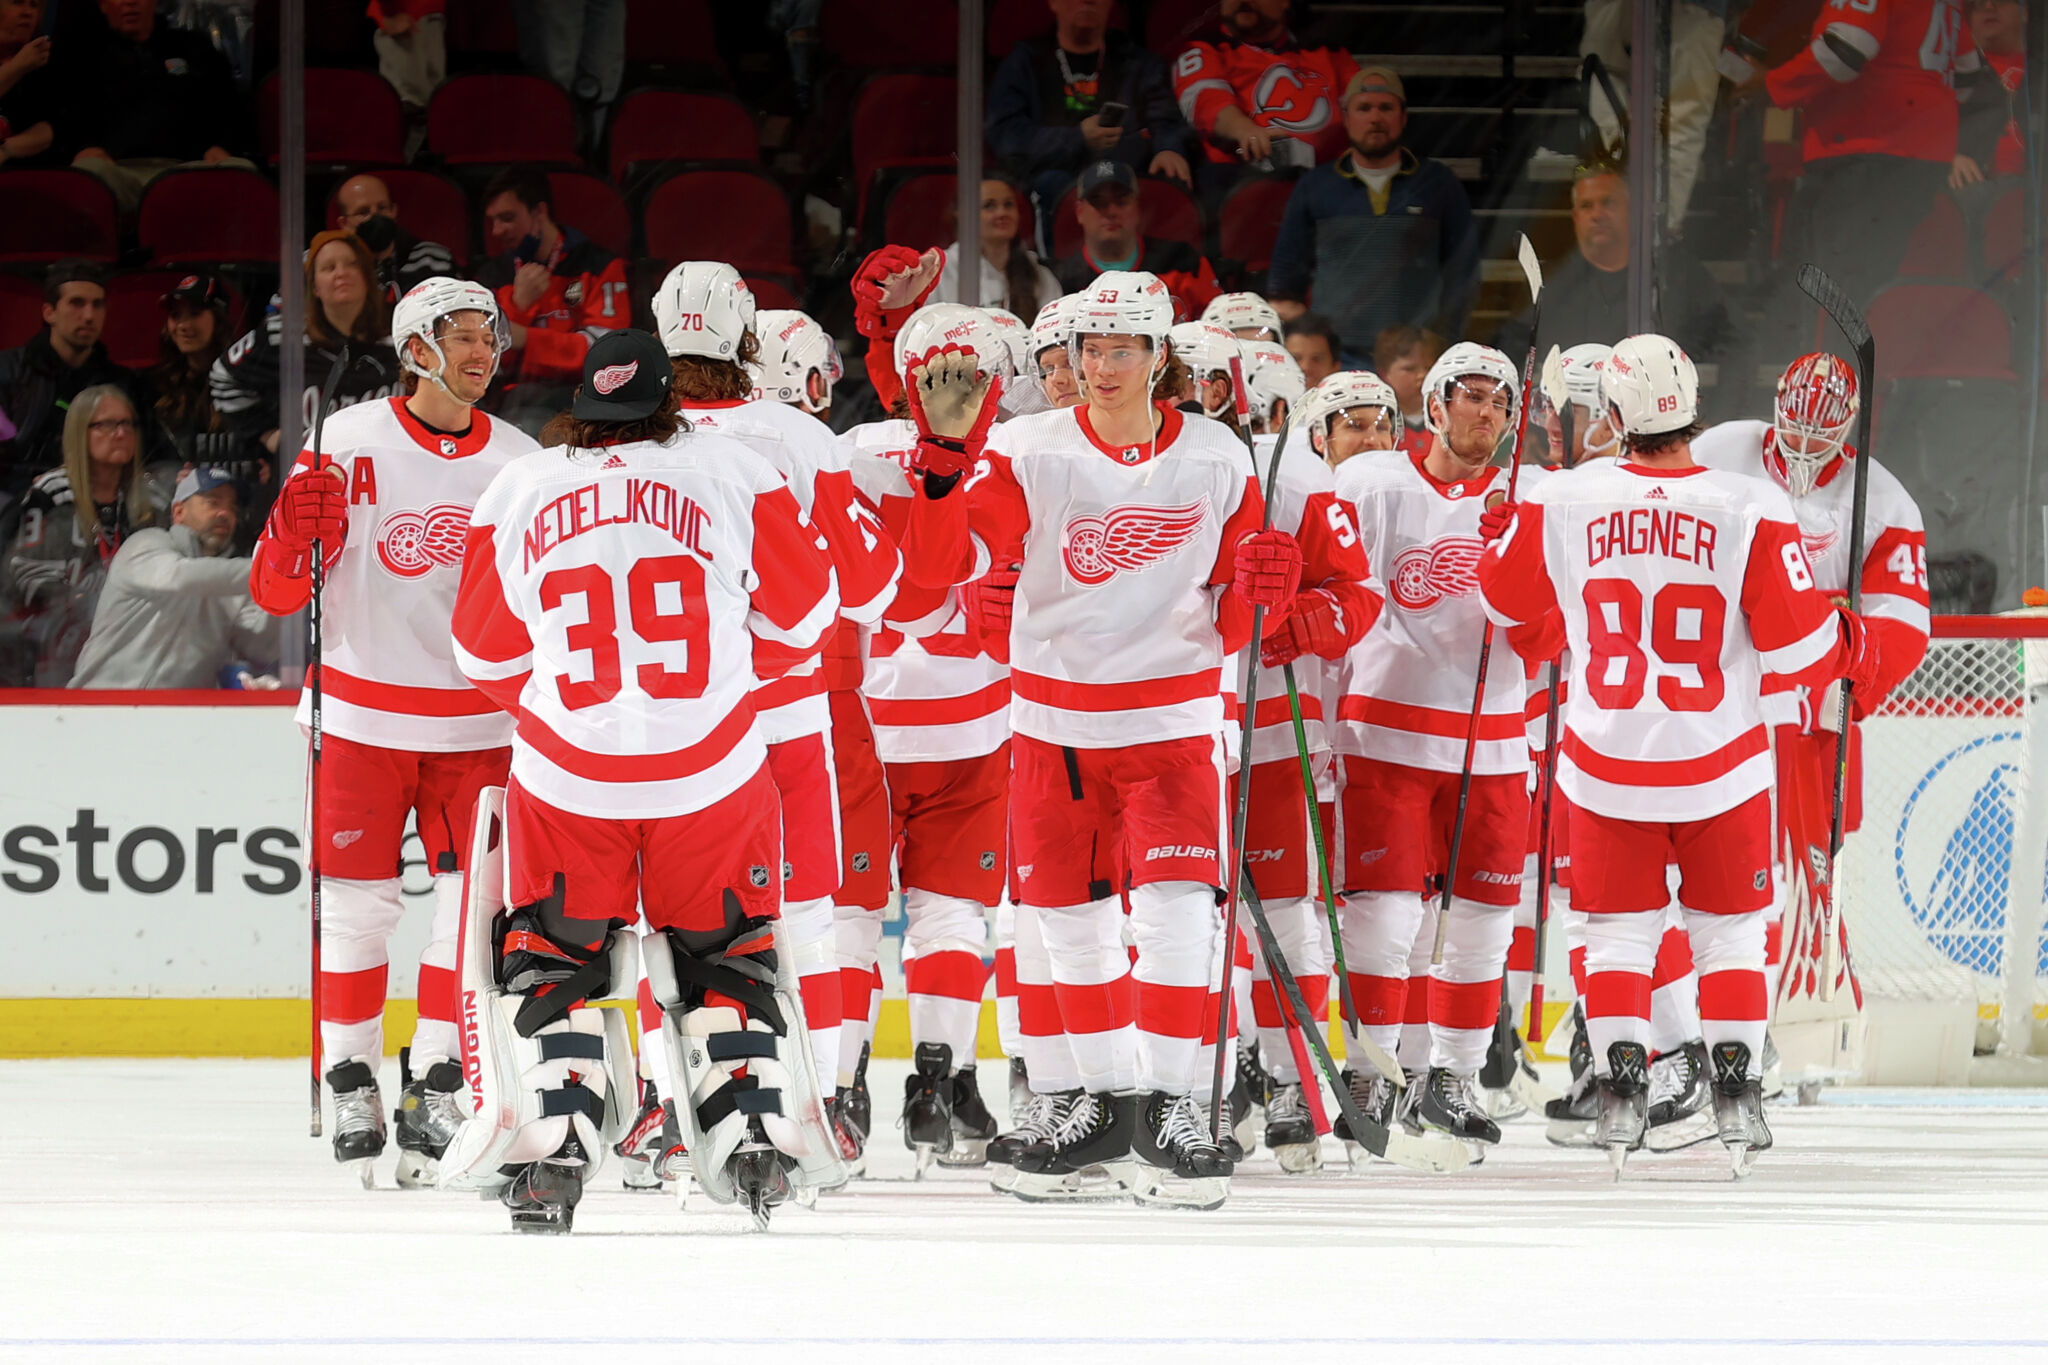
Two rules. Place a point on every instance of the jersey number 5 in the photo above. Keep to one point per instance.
(1685, 624)
(664, 602)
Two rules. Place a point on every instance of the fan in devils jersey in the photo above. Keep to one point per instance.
(389, 500)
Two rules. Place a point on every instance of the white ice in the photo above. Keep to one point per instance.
(176, 1211)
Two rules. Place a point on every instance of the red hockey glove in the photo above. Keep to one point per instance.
(953, 404)
(989, 602)
(312, 505)
(1538, 641)
(1863, 670)
(1268, 568)
(891, 284)
(1315, 626)
(1494, 521)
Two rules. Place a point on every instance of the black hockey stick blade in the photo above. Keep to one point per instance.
(1822, 289)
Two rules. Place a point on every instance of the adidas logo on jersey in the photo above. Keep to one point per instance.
(1657, 493)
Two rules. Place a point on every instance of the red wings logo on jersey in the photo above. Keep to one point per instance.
(1818, 543)
(1128, 540)
(413, 543)
(1426, 574)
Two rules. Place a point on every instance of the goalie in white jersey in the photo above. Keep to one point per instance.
(405, 734)
(621, 595)
(1679, 589)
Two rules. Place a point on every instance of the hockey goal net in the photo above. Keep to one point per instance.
(1942, 888)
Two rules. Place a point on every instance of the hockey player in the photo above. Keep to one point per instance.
(1134, 534)
(1205, 351)
(1678, 589)
(1276, 383)
(389, 500)
(835, 813)
(1049, 363)
(798, 364)
(1245, 316)
(1350, 413)
(1402, 730)
(622, 593)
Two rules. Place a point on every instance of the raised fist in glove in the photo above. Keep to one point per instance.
(312, 505)
(1495, 520)
(891, 284)
(1862, 672)
(1268, 568)
(953, 404)
(1316, 625)
(989, 602)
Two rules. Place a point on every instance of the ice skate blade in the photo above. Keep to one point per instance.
(965, 1152)
(927, 1156)
(1741, 1159)
(548, 1223)
(1358, 1157)
(1300, 1158)
(1503, 1106)
(417, 1171)
(1689, 1131)
(1434, 1153)
(1570, 1133)
(1617, 1158)
(364, 1169)
(1110, 1183)
(1159, 1189)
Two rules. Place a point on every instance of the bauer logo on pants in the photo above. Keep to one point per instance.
(1127, 540)
(412, 543)
(1425, 575)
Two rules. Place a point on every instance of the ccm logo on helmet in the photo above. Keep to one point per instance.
(613, 377)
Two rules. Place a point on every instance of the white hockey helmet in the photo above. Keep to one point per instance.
(1243, 313)
(703, 308)
(1341, 392)
(1130, 303)
(1651, 385)
(793, 348)
(1460, 361)
(1203, 347)
(1050, 328)
(1271, 375)
(422, 310)
(958, 324)
(1577, 377)
(1016, 336)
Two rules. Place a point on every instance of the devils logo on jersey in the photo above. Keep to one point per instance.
(1290, 103)
(1424, 575)
(1128, 540)
(413, 543)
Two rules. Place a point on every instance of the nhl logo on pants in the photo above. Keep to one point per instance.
(758, 875)
(860, 862)
(988, 861)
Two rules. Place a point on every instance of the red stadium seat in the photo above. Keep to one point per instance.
(1249, 221)
(55, 215)
(669, 125)
(21, 310)
(1940, 331)
(1012, 21)
(352, 117)
(431, 207)
(1171, 25)
(917, 33)
(135, 318)
(1939, 247)
(919, 212)
(901, 121)
(592, 207)
(1165, 210)
(221, 216)
(502, 118)
(770, 292)
(736, 216)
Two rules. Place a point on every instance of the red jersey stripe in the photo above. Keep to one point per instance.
(1681, 772)
(1425, 720)
(1118, 696)
(669, 767)
(939, 710)
(404, 701)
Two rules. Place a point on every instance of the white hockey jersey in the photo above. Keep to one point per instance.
(388, 674)
(933, 692)
(620, 602)
(1679, 590)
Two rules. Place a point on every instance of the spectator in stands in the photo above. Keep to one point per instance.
(71, 523)
(1079, 95)
(38, 380)
(1379, 236)
(1106, 202)
(176, 611)
(363, 205)
(1585, 298)
(195, 335)
(580, 45)
(1257, 94)
(1402, 356)
(412, 48)
(1313, 343)
(1697, 28)
(1990, 134)
(560, 292)
(1011, 276)
(148, 98)
(28, 89)
(343, 306)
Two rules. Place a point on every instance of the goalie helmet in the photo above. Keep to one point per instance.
(1651, 386)
(1243, 313)
(1127, 303)
(793, 349)
(1465, 360)
(1271, 376)
(956, 324)
(703, 308)
(1817, 402)
(1341, 392)
(428, 305)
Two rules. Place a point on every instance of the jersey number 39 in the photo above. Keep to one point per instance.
(665, 604)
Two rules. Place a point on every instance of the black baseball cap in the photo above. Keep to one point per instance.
(1102, 173)
(625, 377)
(203, 291)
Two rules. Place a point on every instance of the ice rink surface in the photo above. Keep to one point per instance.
(176, 1211)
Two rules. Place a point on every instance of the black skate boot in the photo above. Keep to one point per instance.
(1088, 1155)
(1035, 1120)
(1374, 1096)
(1291, 1130)
(642, 1144)
(1180, 1163)
(429, 1111)
(1405, 1101)
(1503, 1064)
(1679, 1100)
(358, 1118)
(543, 1195)
(853, 1116)
(974, 1128)
(1624, 1103)
(760, 1175)
(1247, 1101)
(1450, 1104)
(1739, 1107)
(1020, 1086)
(927, 1120)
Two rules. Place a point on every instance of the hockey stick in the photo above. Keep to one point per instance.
(1546, 784)
(314, 644)
(1822, 289)
(1241, 814)
(1532, 268)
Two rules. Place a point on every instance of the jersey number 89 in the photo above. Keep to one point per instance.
(598, 633)
(1686, 621)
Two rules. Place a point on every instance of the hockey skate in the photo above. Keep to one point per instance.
(927, 1121)
(1180, 1164)
(1773, 1080)
(853, 1117)
(973, 1126)
(1374, 1096)
(1739, 1107)
(1624, 1103)
(652, 1152)
(1571, 1116)
(1087, 1157)
(1450, 1104)
(358, 1119)
(543, 1194)
(759, 1174)
(1036, 1119)
(1405, 1101)
(1502, 1098)
(1020, 1086)
(1247, 1101)
(1679, 1115)
(429, 1111)
(1291, 1130)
